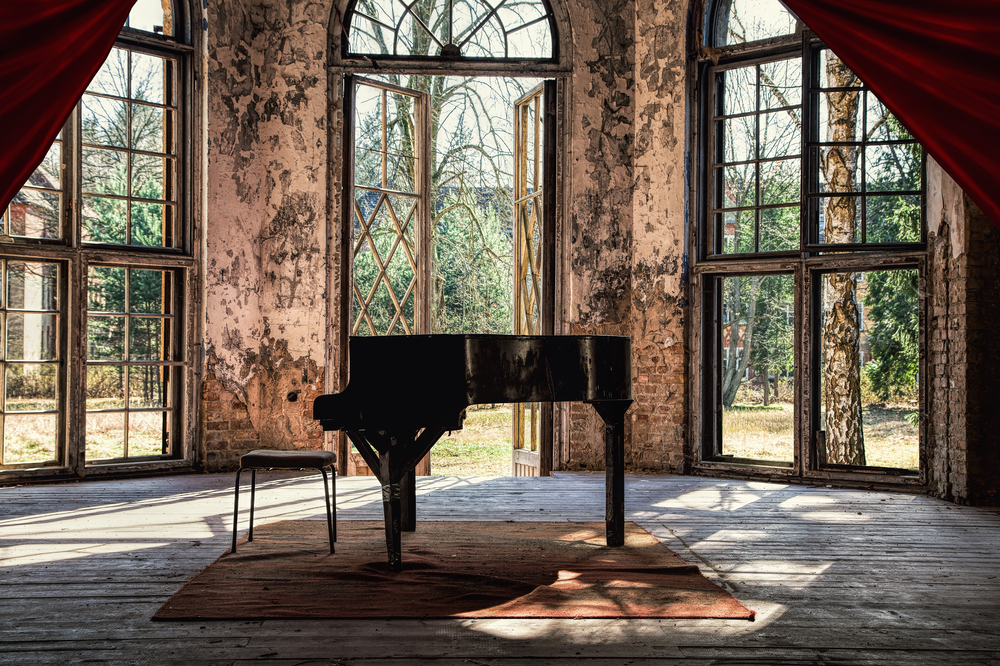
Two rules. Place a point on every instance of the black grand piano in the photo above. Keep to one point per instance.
(405, 392)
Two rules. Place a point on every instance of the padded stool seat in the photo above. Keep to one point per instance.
(275, 459)
(288, 459)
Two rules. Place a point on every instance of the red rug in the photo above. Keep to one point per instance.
(450, 569)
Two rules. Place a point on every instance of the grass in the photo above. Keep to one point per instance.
(765, 433)
(481, 448)
(31, 438)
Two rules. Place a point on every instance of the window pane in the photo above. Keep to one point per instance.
(31, 337)
(736, 91)
(104, 220)
(147, 386)
(105, 387)
(32, 286)
(534, 41)
(29, 438)
(738, 232)
(150, 224)
(836, 169)
(105, 435)
(106, 338)
(106, 289)
(892, 167)
(146, 339)
(870, 359)
(34, 214)
(112, 78)
(104, 121)
(150, 176)
(880, 125)
(834, 72)
(779, 229)
(48, 175)
(736, 139)
(473, 26)
(893, 219)
(30, 387)
(780, 182)
(147, 433)
(840, 219)
(737, 184)
(149, 129)
(148, 74)
(105, 171)
(146, 291)
(756, 365)
(781, 84)
(780, 134)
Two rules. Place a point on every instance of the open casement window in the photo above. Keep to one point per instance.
(810, 253)
(534, 213)
(388, 200)
(95, 261)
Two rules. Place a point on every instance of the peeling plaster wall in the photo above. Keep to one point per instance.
(628, 215)
(265, 289)
(659, 219)
(602, 127)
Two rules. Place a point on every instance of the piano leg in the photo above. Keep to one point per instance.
(393, 538)
(408, 501)
(613, 413)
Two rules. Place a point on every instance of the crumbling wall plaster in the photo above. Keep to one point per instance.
(658, 240)
(628, 215)
(603, 139)
(602, 125)
(266, 230)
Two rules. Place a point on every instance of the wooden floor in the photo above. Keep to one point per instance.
(836, 576)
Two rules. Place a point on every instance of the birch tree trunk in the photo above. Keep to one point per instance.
(841, 334)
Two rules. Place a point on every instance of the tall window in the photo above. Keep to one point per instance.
(809, 252)
(93, 267)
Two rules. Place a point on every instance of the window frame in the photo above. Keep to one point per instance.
(807, 262)
(75, 256)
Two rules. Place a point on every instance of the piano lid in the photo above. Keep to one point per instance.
(411, 381)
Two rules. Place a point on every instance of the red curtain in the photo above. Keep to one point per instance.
(49, 52)
(936, 65)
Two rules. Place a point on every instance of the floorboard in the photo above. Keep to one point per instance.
(835, 575)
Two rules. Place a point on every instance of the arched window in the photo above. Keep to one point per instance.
(102, 229)
(810, 250)
(475, 29)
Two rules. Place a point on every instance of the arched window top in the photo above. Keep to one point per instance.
(480, 29)
(742, 21)
(156, 16)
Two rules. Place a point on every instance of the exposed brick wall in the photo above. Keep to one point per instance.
(228, 430)
(963, 360)
(658, 416)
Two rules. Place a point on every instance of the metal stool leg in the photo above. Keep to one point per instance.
(329, 513)
(236, 508)
(253, 488)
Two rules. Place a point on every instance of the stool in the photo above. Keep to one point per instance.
(271, 459)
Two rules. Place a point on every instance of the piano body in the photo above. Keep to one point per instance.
(405, 392)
